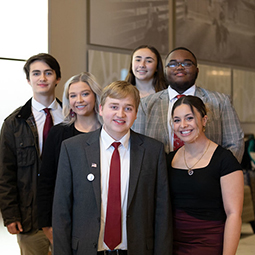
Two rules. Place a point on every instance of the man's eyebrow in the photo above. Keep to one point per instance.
(174, 60)
(129, 105)
(46, 70)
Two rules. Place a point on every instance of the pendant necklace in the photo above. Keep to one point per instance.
(190, 171)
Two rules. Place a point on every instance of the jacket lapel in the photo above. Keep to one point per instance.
(163, 112)
(199, 93)
(136, 156)
(92, 151)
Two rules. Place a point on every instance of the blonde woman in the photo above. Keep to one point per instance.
(80, 109)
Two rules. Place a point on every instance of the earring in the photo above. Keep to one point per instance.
(203, 129)
(72, 113)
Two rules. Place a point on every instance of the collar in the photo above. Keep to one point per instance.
(107, 140)
(39, 107)
(173, 93)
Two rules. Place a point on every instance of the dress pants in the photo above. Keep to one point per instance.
(33, 244)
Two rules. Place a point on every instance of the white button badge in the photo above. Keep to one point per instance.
(90, 177)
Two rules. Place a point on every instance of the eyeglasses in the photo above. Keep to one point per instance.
(185, 64)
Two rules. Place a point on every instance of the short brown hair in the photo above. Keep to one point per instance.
(47, 59)
(120, 90)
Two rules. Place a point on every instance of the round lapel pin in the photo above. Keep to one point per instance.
(90, 177)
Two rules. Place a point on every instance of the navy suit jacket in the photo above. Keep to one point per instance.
(77, 201)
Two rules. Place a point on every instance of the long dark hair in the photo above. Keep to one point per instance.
(159, 81)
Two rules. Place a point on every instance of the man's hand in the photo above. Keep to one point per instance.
(15, 227)
(48, 232)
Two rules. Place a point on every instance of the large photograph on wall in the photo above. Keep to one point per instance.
(108, 66)
(221, 31)
(128, 24)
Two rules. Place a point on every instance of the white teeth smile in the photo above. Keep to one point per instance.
(185, 132)
(120, 121)
(80, 106)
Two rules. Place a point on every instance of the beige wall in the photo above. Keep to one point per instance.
(67, 37)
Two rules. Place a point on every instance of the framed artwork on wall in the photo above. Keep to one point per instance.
(108, 66)
(220, 31)
(128, 24)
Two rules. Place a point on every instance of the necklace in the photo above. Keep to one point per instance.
(190, 171)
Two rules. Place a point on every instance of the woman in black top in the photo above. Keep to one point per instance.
(80, 109)
(206, 184)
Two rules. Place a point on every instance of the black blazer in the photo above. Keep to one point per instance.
(48, 171)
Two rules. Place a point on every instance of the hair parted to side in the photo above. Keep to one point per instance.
(120, 90)
(159, 81)
(47, 59)
(95, 87)
(192, 102)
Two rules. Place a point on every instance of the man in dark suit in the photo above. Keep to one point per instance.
(82, 193)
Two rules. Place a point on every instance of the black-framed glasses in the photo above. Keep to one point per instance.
(185, 64)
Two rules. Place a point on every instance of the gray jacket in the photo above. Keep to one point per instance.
(223, 126)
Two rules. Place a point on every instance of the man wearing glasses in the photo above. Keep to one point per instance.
(154, 114)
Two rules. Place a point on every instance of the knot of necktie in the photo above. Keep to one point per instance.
(47, 110)
(116, 145)
(179, 96)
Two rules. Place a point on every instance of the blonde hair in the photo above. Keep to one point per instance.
(120, 90)
(95, 87)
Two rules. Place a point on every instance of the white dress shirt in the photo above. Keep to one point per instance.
(172, 99)
(40, 117)
(106, 151)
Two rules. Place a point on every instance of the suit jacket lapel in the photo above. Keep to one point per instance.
(136, 156)
(160, 132)
(158, 109)
(164, 111)
(199, 93)
(92, 151)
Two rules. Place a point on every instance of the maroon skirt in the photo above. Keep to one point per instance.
(193, 236)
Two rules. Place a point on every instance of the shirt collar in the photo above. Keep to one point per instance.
(107, 140)
(39, 107)
(173, 93)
